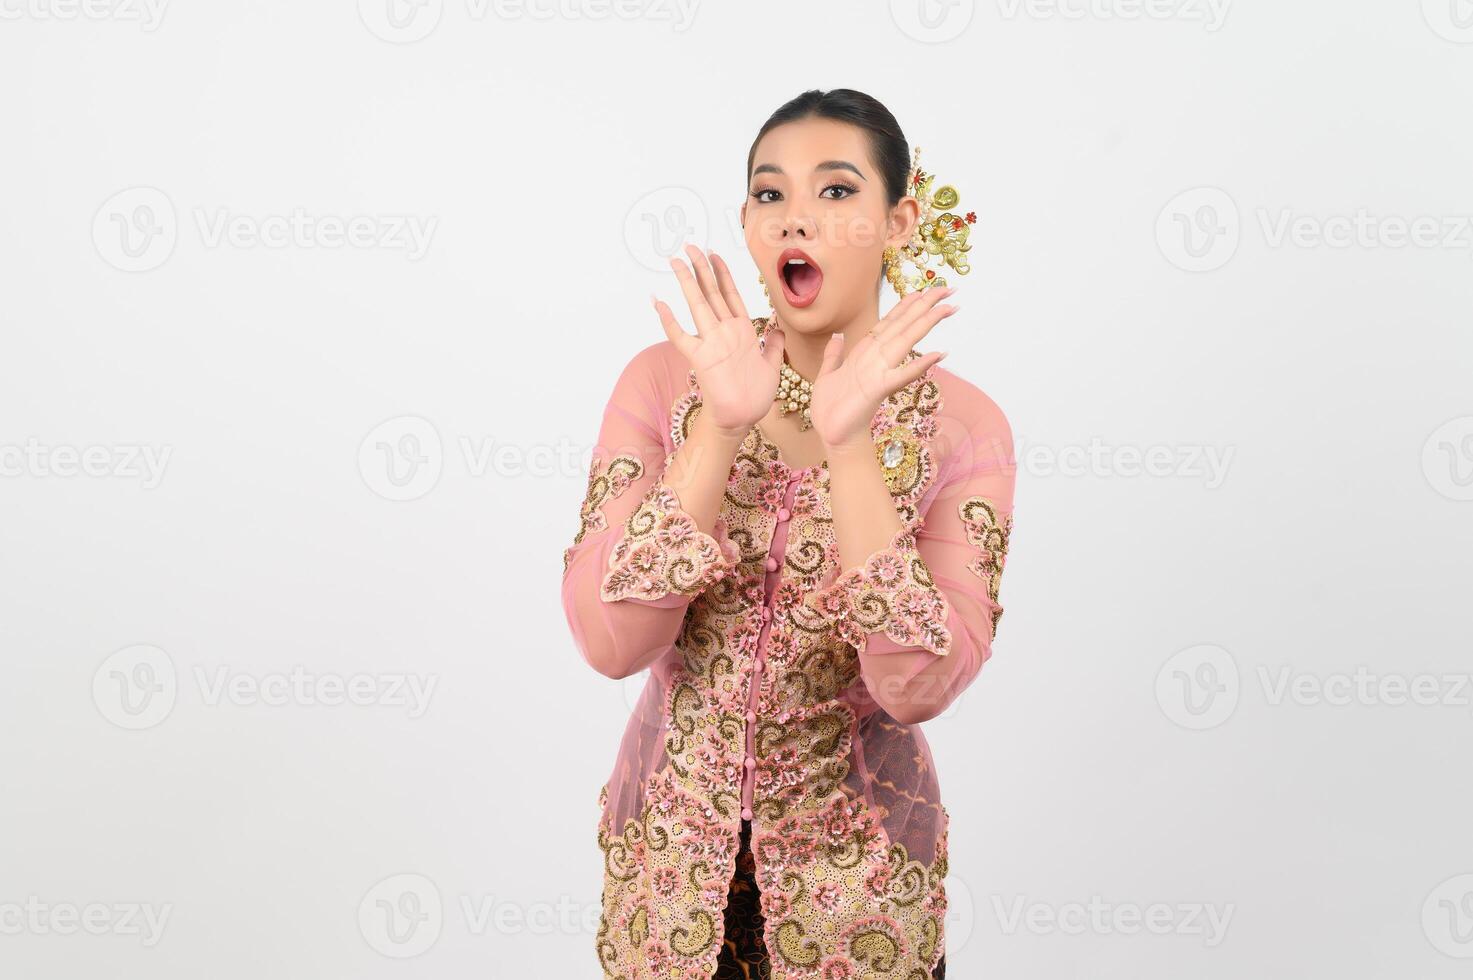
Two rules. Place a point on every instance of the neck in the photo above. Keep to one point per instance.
(805, 351)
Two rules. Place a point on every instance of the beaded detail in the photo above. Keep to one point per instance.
(765, 667)
(665, 551)
(604, 484)
(989, 533)
(892, 591)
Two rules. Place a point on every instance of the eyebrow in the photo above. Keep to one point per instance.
(772, 168)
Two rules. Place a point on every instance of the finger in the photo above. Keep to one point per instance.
(707, 280)
(683, 341)
(899, 342)
(899, 313)
(926, 299)
(833, 353)
(728, 287)
(699, 308)
(772, 350)
(903, 375)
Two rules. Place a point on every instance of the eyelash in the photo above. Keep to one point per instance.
(848, 187)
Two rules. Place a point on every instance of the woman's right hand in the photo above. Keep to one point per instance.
(737, 377)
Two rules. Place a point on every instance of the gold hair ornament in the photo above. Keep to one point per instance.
(942, 235)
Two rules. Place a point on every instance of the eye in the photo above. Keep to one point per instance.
(763, 190)
(839, 186)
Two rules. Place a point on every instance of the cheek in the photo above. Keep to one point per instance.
(763, 235)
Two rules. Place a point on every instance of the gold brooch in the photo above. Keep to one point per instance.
(899, 454)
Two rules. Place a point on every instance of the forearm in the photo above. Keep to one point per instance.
(699, 470)
(624, 611)
(865, 519)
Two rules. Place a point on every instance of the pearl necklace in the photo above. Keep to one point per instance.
(794, 392)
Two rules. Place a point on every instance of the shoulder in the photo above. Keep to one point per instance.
(970, 406)
(658, 370)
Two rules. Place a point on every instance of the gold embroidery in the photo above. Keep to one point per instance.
(892, 591)
(664, 551)
(988, 532)
(602, 487)
(839, 898)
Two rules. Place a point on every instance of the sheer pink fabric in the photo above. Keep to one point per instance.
(639, 570)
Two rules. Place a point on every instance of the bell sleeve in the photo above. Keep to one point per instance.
(637, 559)
(930, 597)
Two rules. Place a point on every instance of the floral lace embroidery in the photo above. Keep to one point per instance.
(893, 590)
(988, 532)
(840, 898)
(663, 551)
(602, 487)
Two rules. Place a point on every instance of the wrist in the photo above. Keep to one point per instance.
(853, 448)
(723, 434)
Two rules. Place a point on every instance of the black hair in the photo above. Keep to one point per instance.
(886, 142)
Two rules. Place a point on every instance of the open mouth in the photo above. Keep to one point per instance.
(801, 277)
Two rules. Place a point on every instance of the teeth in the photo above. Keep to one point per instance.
(796, 262)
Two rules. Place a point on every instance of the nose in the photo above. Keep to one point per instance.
(799, 226)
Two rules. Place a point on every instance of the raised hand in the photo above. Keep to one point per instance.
(847, 393)
(738, 379)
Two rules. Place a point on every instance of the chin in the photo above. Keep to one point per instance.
(805, 320)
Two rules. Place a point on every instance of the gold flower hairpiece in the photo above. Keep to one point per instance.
(942, 235)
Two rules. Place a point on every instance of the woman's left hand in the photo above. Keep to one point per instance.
(848, 392)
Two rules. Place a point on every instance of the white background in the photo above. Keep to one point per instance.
(1192, 244)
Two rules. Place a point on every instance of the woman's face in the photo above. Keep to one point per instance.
(815, 196)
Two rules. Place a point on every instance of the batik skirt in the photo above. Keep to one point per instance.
(744, 955)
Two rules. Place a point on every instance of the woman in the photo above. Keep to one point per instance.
(797, 524)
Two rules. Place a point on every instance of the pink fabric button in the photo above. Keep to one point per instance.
(771, 564)
(751, 763)
(766, 614)
(783, 514)
(751, 716)
(720, 573)
(746, 813)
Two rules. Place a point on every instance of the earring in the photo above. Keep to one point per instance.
(771, 311)
(891, 269)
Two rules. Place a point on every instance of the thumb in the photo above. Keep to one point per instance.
(772, 349)
(833, 351)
